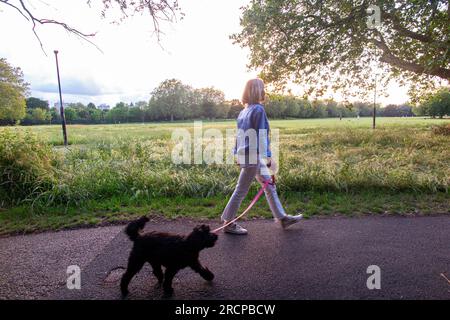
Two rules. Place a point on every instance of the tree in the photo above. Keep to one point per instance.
(212, 103)
(306, 109)
(235, 108)
(84, 114)
(33, 103)
(159, 10)
(70, 115)
(393, 110)
(332, 108)
(135, 114)
(38, 116)
(12, 105)
(194, 97)
(275, 105)
(331, 45)
(91, 105)
(13, 90)
(96, 115)
(437, 104)
(143, 107)
(13, 77)
(77, 105)
(363, 109)
(55, 115)
(119, 113)
(170, 99)
(292, 107)
(319, 109)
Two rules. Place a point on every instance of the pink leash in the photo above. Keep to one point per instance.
(255, 199)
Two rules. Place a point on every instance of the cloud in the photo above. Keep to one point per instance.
(75, 86)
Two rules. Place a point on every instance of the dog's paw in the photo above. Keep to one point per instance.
(124, 293)
(168, 291)
(208, 275)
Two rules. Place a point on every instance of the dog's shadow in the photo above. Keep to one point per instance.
(194, 289)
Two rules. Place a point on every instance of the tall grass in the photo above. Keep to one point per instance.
(26, 166)
(102, 166)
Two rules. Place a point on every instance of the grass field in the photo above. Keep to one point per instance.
(116, 172)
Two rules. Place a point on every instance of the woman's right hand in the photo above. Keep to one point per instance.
(272, 165)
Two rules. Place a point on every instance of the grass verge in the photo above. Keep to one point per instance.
(22, 220)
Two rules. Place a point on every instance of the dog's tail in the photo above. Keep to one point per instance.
(133, 228)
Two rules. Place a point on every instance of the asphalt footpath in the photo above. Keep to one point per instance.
(321, 258)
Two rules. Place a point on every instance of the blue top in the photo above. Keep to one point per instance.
(253, 117)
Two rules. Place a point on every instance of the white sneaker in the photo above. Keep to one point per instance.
(234, 228)
(290, 220)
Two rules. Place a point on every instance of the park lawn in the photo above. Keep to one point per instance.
(114, 173)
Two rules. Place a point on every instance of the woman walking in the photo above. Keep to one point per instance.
(254, 157)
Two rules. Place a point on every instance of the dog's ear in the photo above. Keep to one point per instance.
(205, 227)
(202, 228)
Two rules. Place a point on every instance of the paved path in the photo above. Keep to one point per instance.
(317, 259)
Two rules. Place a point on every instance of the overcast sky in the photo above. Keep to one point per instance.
(197, 50)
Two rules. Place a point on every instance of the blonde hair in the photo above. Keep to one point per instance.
(253, 92)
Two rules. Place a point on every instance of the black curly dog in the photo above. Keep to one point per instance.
(174, 252)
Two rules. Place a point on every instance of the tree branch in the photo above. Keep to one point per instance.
(13, 6)
(27, 14)
(158, 9)
(395, 61)
(413, 35)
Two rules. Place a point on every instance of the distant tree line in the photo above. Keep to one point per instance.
(289, 106)
(172, 100)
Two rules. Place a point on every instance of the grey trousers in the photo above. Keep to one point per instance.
(245, 180)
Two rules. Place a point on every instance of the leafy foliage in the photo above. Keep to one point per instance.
(34, 103)
(436, 104)
(13, 90)
(37, 116)
(12, 104)
(170, 99)
(329, 46)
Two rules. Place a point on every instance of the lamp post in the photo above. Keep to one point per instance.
(63, 117)
(374, 103)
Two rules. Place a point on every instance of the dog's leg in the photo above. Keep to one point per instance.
(134, 265)
(203, 271)
(168, 277)
(157, 272)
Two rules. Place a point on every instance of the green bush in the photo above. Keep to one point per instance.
(26, 166)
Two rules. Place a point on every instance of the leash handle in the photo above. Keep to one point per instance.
(255, 199)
